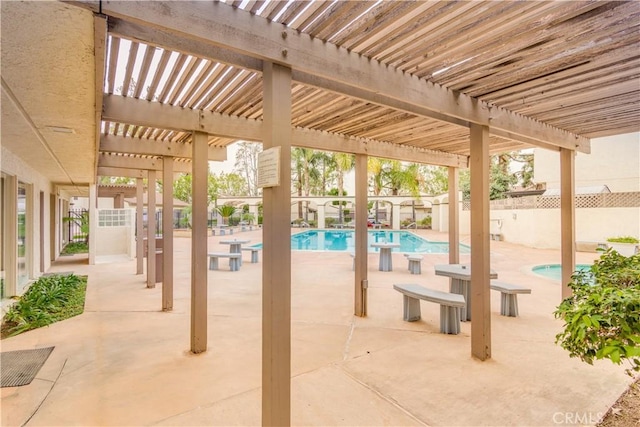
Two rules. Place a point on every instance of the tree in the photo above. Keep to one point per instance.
(304, 162)
(228, 184)
(117, 180)
(225, 212)
(343, 163)
(247, 165)
(182, 187)
(602, 317)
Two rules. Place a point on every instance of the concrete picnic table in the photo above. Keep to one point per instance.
(386, 261)
(235, 245)
(460, 275)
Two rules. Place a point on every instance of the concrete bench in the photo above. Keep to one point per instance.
(415, 264)
(254, 253)
(508, 297)
(449, 305)
(234, 260)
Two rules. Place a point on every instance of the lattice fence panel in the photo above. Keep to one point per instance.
(583, 201)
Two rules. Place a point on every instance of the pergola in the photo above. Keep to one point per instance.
(443, 83)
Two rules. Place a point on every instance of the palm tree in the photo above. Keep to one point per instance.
(304, 164)
(343, 163)
(226, 211)
(393, 177)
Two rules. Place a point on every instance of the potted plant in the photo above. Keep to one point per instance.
(625, 245)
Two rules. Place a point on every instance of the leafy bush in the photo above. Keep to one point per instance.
(425, 222)
(624, 239)
(602, 317)
(48, 300)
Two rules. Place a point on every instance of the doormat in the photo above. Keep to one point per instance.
(21, 367)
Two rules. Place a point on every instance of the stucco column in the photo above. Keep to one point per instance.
(139, 226)
(93, 222)
(361, 241)
(454, 217)
(10, 238)
(199, 295)
(480, 259)
(276, 266)
(395, 212)
(435, 215)
(321, 215)
(567, 218)
(167, 233)
(151, 230)
(253, 210)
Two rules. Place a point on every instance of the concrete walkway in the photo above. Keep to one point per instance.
(125, 362)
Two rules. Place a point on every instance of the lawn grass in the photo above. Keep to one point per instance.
(48, 300)
(75, 248)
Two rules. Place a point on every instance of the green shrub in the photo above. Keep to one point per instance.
(75, 248)
(602, 317)
(49, 299)
(623, 239)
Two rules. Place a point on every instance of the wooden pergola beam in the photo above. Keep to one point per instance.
(149, 164)
(153, 114)
(355, 75)
(127, 145)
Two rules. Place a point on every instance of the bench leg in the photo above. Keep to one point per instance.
(415, 267)
(411, 309)
(509, 305)
(231, 231)
(222, 232)
(254, 257)
(234, 264)
(449, 320)
(213, 263)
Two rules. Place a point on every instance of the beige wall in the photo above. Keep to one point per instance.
(540, 228)
(614, 161)
(13, 165)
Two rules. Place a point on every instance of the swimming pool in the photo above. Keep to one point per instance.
(554, 271)
(344, 240)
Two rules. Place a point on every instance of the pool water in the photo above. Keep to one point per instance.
(554, 271)
(344, 240)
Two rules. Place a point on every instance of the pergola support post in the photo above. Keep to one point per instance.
(151, 229)
(276, 267)
(361, 279)
(454, 217)
(480, 256)
(167, 233)
(139, 226)
(200, 169)
(93, 222)
(567, 218)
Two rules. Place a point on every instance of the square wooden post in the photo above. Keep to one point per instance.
(151, 230)
(276, 266)
(139, 226)
(361, 278)
(480, 251)
(454, 217)
(200, 171)
(567, 218)
(167, 233)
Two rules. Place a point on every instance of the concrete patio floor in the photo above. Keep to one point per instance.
(125, 362)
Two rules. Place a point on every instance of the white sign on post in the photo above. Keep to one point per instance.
(269, 167)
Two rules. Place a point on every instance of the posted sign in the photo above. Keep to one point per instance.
(269, 168)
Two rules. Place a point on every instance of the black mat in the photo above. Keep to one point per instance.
(21, 367)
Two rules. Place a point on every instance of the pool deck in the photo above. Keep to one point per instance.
(125, 362)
